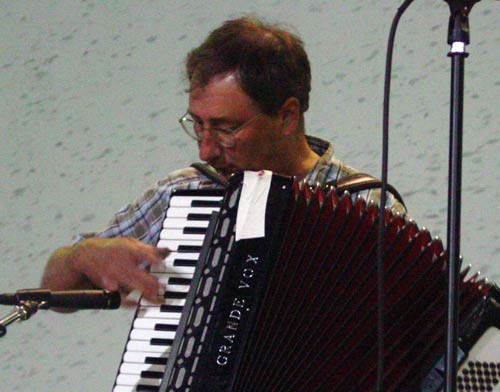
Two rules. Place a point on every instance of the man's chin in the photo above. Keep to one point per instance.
(226, 171)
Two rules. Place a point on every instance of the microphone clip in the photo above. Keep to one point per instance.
(458, 25)
(21, 312)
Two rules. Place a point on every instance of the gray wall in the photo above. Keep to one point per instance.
(90, 95)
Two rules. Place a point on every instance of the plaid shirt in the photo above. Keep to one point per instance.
(144, 217)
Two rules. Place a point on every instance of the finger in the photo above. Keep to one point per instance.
(152, 292)
(125, 301)
(151, 254)
(142, 281)
(131, 298)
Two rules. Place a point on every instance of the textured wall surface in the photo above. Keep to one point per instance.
(90, 93)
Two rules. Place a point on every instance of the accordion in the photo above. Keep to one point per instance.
(284, 297)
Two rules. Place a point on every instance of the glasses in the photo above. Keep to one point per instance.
(224, 136)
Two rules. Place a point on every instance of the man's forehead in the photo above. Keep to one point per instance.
(222, 97)
(226, 80)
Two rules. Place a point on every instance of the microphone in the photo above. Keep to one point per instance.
(73, 299)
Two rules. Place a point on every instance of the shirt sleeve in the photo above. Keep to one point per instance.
(143, 218)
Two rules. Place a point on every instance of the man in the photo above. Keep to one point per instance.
(249, 85)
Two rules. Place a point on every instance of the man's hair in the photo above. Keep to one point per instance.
(269, 62)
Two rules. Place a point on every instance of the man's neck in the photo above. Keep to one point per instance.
(301, 160)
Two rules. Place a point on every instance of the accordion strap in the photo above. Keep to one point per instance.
(361, 182)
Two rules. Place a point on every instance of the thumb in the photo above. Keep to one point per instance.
(163, 252)
(110, 284)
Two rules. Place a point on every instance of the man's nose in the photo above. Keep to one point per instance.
(208, 148)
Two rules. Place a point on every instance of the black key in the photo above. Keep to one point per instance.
(151, 374)
(180, 281)
(198, 217)
(194, 230)
(171, 308)
(146, 388)
(161, 342)
(206, 203)
(189, 249)
(174, 295)
(165, 327)
(156, 360)
(185, 263)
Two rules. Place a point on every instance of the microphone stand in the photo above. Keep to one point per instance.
(458, 38)
(22, 312)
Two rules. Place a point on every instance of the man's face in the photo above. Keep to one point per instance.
(223, 104)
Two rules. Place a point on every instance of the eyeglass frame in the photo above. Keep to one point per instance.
(228, 132)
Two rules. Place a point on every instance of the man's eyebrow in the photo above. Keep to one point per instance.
(215, 120)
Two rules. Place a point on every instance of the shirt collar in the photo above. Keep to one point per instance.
(325, 151)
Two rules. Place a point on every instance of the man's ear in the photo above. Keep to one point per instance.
(290, 116)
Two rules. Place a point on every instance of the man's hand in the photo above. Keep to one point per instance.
(109, 263)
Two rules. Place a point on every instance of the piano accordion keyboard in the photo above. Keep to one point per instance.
(154, 326)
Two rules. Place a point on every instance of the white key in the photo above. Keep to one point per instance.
(186, 201)
(169, 260)
(165, 279)
(134, 379)
(141, 356)
(125, 388)
(169, 267)
(137, 368)
(166, 301)
(146, 346)
(150, 323)
(173, 245)
(148, 334)
(184, 212)
(154, 312)
(173, 234)
(180, 223)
